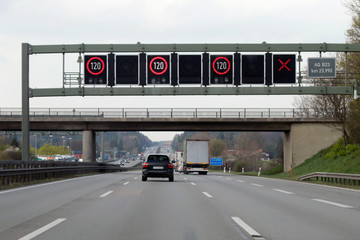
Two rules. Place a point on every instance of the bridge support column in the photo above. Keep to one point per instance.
(306, 139)
(89, 146)
(287, 152)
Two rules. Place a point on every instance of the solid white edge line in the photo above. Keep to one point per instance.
(107, 193)
(46, 184)
(126, 183)
(246, 227)
(332, 203)
(313, 184)
(282, 191)
(43, 229)
(207, 194)
(192, 183)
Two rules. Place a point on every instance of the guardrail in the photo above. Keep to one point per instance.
(343, 178)
(165, 112)
(28, 171)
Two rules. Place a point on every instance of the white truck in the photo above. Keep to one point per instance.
(196, 156)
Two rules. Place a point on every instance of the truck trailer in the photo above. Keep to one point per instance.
(196, 156)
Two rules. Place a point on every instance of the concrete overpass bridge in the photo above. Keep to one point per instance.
(304, 134)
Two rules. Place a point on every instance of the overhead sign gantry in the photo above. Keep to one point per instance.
(206, 69)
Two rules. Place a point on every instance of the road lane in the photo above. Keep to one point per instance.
(19, 206)
(309, 190)
(216, 206)
(284, 216)
(43, 229)
(151, 210)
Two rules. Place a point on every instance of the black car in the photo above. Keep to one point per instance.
(158, 166)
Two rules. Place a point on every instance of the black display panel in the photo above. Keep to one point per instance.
(284, 68)
(253, 69)
(127, 69)
(189, 69)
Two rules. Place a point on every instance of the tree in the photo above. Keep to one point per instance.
(48, 150)
(202, 136)
(14, 143)
(279, 149)
(353, 35)
(336, 106)
(249, 141)
(327, 107)
(217, 147)
(353, 123)
(221, 136)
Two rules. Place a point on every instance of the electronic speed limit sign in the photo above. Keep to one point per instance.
(95, 69)
(158, 69)
(221, 69)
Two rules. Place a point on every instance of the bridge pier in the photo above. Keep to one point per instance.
(287, 151)
(89, 146)
(306, 139)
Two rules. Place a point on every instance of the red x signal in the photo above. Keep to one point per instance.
(284, 65)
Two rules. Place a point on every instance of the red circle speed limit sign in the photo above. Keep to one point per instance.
(95, 65)
(221, 65)
(158, 65)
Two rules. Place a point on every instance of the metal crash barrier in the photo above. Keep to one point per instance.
(27, 171)
(343, 178)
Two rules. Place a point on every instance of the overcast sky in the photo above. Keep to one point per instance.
(44, 22)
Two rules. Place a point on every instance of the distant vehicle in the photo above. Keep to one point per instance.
(59, 158)
(180, 168)
(158, 165)
(179, 161)
(122, 162)
(196, 156)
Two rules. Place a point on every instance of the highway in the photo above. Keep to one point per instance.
(216, 206)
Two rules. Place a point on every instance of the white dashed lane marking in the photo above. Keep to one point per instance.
(246, 227)
(257, 185)
(106, 194)
(207, 194)
(43, 229)
(282, 191)
(332, 203)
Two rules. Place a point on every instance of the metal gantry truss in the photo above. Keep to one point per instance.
(298, 89)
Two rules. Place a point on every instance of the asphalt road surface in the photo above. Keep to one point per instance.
(216, 206)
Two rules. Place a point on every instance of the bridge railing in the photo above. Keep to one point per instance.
(164, 112)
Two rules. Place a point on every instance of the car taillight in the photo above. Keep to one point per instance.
(170, 165)
(145, 165)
